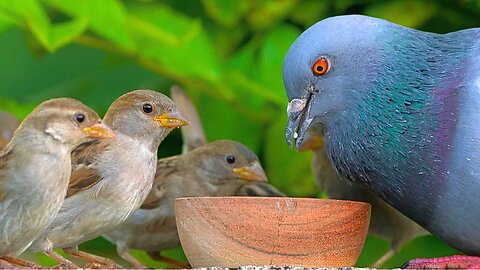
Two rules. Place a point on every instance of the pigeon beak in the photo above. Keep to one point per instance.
(254, 172)
(99, 131)
(172, 120)
(299, 121)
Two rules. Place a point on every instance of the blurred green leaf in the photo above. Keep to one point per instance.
(6, 21)
(221, 122)
(32, 14)
(271, 57)
(269, 12)
(189, 50)
(225, 12)
(20, 110)
(418, 11)
(309, 12)
(35, 18)
(63, 33)
(107, 18)
(241, 73)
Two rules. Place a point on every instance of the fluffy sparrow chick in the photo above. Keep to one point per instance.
(8, 124)
(216, 169)
(35, 170)
(111, 178)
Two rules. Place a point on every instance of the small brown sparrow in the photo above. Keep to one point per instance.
(8, 124)
(35, 170)
(111, 178)
(222, 168)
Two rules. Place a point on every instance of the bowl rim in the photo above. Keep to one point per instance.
(250, 199)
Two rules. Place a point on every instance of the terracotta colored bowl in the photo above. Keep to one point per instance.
(236, 231)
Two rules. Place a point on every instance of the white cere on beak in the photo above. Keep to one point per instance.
(296, 105)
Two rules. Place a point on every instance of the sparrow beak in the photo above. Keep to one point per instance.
(299, 121)
(99, 131)
(253, 172)
(171, 120)
(311, 142)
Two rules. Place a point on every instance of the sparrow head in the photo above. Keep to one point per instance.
(228, 165)
(67, 121)
(144, 114)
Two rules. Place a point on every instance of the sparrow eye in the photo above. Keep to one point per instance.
(230, 159)
(147, 108)
(79, 117)
(320, 67)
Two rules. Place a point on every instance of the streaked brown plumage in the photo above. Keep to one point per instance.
(35, 168)
(111, 178)
(202, 170)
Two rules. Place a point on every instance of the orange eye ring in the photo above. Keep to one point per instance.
(320, 67)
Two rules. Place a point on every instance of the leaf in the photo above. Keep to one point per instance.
(241, 71)
(267, 13)
(221, 122)
(227, 13)
(64, 33)
(33, 15)
(177, 42)
(20, 110)
(310, 11)
(418, 11)
(271, 58)
(107, 18)
(6, 22)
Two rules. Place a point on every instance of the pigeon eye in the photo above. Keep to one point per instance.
(79, 117)
(147, 108)
(320, 67)
(230, 159)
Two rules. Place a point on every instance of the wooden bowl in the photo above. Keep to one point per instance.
(237, 231)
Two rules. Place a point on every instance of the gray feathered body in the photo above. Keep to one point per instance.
(386, 222)
(31, 195)
(107, 204)
(411, 133)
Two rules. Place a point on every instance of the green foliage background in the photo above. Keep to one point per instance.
(226, 54)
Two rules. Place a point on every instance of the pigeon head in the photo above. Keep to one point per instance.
(324, 68)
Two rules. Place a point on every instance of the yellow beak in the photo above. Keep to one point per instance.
(254, 172)
(172, 120)
(99, 131)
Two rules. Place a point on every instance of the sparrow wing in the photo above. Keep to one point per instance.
(165, 168)
(84, 175)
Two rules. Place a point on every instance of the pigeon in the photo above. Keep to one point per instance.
(398, 109)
